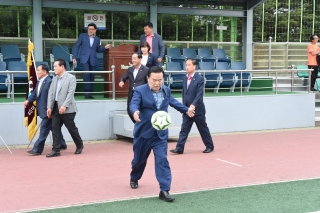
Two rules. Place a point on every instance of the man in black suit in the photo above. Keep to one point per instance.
(192, 96)
(137, 75)
(40, 94)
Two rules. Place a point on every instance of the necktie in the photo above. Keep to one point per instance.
(189, 81)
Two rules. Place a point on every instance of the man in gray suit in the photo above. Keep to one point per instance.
(62, 107)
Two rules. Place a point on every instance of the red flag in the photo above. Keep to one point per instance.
(30, 113)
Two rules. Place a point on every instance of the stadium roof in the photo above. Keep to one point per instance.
(246, 4)
(241, 3)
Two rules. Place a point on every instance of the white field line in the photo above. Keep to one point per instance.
(228, 162)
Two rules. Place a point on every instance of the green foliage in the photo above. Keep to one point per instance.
(285, 22)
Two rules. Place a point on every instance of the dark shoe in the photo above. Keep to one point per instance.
(208, 150)
(79, 150)
(314, 90)
(133, 184)
(53, 154)
(63, 148)
(176, 151)
(33, 152)
(164, 195)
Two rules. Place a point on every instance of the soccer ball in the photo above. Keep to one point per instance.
(160, 120)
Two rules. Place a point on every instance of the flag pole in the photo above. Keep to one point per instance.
(33, 60)
(34, 134)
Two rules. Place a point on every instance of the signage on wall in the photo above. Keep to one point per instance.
(222, 27)
(98, 19)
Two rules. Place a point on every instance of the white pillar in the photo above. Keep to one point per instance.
(153, 15)
(37, 29)
(247, 32)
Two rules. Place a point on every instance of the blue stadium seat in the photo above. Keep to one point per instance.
(4, 78)
(60, 52)
(11, 53)
(245, 78)
(19, 66)
(212, 80)
(229, 79)
(68, 67)
(190, 53)
(205, 55)
(176, 79)
(221, 56)
(302, 74)
(78, 66)
(174, 55)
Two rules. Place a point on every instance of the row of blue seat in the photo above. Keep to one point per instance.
(11, 53)
(212, 80)
(204, 55)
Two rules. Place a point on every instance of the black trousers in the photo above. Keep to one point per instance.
(68, 120)
(314, 75)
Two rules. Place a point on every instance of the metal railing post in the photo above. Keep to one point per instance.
(241, 83)
(269, 62)
(287, 55)
(113, 83)
(12, 83)
(292, 77)
(276, 82)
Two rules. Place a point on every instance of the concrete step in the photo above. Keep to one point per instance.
(317, 111)
(123, 126)
(317, 103)
(317, 121)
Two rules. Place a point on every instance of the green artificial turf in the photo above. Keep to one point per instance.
(290, 197)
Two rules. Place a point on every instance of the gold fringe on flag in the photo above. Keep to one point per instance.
(32, 127)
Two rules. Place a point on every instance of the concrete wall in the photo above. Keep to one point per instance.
(224, 114)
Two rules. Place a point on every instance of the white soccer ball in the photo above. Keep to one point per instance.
(160, 120)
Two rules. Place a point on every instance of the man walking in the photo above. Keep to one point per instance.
(137, 75)
(40, 94)
(148, 99)
(192, 96)
(154, 40)
(89, 44)
(62, 107)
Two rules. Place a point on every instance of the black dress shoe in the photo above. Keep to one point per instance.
(79, 150)
(53, 154)
(176, 151)
(208, 150)
(314, 90)
(63, 148)
(33, 152)
(133, 184)
(164, 195)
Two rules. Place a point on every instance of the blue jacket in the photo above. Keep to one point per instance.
(87, 51)
(157, 45)
(194, 94)
(42, 97)
(152, 60)
(144, 102)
